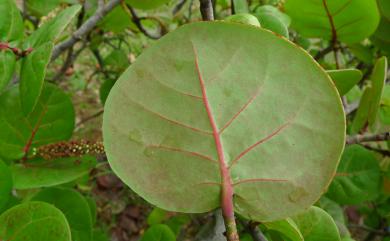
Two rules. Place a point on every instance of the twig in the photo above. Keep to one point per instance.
(97, 114)
(368, 138)
(138, 22)
(380, 151)
(85, 28)
(179, 6)
(206, 9)
(254, 231)
(323, 52)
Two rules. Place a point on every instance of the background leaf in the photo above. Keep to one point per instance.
(42, 173)
(159, 232)
(345, 79)
(146, 4)
(75, 208)
(11, 23)
(287, 227)
(52, 120)
(34, 221)
(5, 184)
(7, 67)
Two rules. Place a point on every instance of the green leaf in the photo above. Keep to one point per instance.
(146, 4)
(287, 228)
(362, 52)
(11, 22)
(157, 216)
(271, 10)
(159, 232)
(381, 37)
(337, 213)
(358, 177)
(52, 29)
(34, 221)
(41, 8)
(360, 119)
(92, 208)
(32, 76)
(51, 121)
(244, 18)
(273, 23)
(5, 184)
(117, 61)
(75, 208)
(44, 173)
(100, 235)
(7, 67)
(267, 112)
(378, 79)
(345, 79)
(317, 225)
(105, 89)
(343, 19)
(116, 21)
(240, 6)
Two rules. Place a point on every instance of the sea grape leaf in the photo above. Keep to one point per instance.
(45, 173)
(51, 30)
(358, 177)
(317, 225)
(273, 23)
(378, 79)
(7, 67)
(11, 22)
(345, 79)
(117, 21)
(92, 207)
(158, 114)
(32, 76)
(146, 4)
(271, 10)
(244, 18)
(384, 111)
(384, 8)
(343, 20)
(158, 232)
(381, 37)
(75, 208)
(5, 184)
(52, 120)
(41, 8)
(287, 227)
(157, 216)
(336, 212)
(34, 221)
(240, 6)
(361, 116)
(362, 52)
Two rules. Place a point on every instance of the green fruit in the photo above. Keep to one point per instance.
(244, 18)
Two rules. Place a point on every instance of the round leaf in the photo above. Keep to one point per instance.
(287, 228)
(146, 4)
(159, 232)
(34, 221)
(317, 225)
(358, 177)
(344, 20)
(7, 67)
(52, 120)
(51, 173)
(267, 113)
(75, 208)
(5, 184)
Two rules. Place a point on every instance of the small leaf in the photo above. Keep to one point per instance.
(44, 173)
(41, 8)
(360, 119)
(105, 89)
(34, 221)
(159, 232)
(358, 177)
(244, 18)
(157, 216)
(146, 4)
(7, 67)
(11, 22)
(378, 78)
(271, 10)
(51, 121)
(117, 21)
(157, 122)
(75, 208)
(32, 76)
(240, 6)
(5, 184)
(51, 30)
(317, 225)
(345, 79)
(343, 20)
(273, 23)
(287, 228)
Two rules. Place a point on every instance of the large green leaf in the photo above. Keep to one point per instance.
(43, 173)
(287, 228)
(317, 225)
(381, 37)
(346, 20)
(32, 76)
(358, 177)
(146, 4)
(51, 30)
(280, 150)
(75, 208)
(158, 232)
(5, 184)
(7, 67)
(34, 221)
(52, 120)
(345, 79)
(11, 23)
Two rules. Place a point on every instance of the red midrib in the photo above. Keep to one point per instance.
(227, 187)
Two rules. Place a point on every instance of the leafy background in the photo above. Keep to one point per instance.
(58, 62)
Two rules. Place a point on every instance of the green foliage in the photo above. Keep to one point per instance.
(146, 4)
(34, 221)
(345, 79)
(11, 23)
(168, 133)
(5, 184)
(244, 18)
(159, 232)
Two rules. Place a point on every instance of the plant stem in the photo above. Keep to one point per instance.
(206, 9)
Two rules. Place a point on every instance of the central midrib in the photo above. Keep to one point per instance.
(227, 187)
